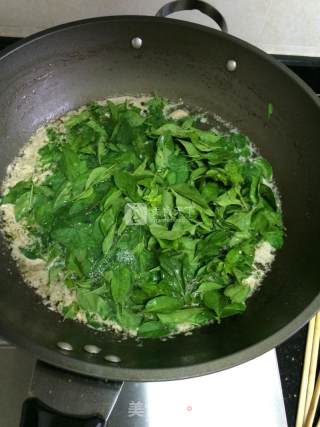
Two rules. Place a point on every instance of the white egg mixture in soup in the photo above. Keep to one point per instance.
(136, 214)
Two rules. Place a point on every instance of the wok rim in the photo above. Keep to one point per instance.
(112, 372)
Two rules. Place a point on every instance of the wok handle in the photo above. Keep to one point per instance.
(206, 8)
(36, 414)
(59, 398)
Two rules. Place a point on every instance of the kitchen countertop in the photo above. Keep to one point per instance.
(290, 359)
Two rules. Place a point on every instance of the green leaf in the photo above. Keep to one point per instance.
(205, 141)
(191, 193)
(260, 221)
(101, 151)
(218, 175)
(16, 191)
(214, 243)
(265, 167)
(172, 129)
(254, 188)
(71, 165)
(63, 197)
(98, 175)
(127, 184)
(232, 309)
(190, 149)
(209, 286)
(134, 118)
(32, 251)
(113, 199)
(70, 311)
(267, 193)
(233, 171)
(93, 303)
(210, 191)
(77, 237)
(165, 149)
(182, 225)
(153, 329)
(163, 304)
(128, 319)
(215, 301)
(237, 293)
(108, 240)
(84, 201)
(138, 296)
(54, 273)
(241, 220)
(192, 316)
(178, 169)
(156, 114)
(106, 221)
(121, 284)
(238, 237)
(198, 173)
(269, 224)
(161, 232)
(187, 207)
(229, 198)
(23, 205)
(275, 238)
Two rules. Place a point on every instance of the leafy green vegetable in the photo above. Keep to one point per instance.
(97, 175)
(269, 110)
(190, 192)
(232, 309)
(161, 232)
(195, 316)
(151, 222)
(163, 304)
(229, 198)
(237, 293)
(153, 329)
(209, 286)
(129, 319)
(63, 197)
(93, 303)
(240, 220)
(215, 301)
(23, 205)
(17, 191)
(32, 251)
(108, 240)
(121, 285)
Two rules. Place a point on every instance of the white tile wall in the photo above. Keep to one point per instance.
(278, 26)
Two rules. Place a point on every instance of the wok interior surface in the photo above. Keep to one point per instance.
(62, 69)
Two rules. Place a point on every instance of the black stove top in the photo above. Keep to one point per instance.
(291, 353)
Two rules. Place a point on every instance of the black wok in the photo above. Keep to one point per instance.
(62, 68)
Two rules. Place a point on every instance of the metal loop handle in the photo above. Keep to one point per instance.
(206, 8)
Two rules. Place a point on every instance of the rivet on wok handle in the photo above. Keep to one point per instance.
(92, 349)
(64, 346)
(231, 65)
(136, 42)
(112, 358)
